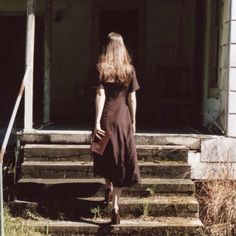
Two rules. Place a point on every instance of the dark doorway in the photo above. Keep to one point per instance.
(12, 67)
(124, 22)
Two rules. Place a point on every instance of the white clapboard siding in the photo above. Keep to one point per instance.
(224, 62)
(232, 74)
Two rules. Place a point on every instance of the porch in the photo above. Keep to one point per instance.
(179, 64)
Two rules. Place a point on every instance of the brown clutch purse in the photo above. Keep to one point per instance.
(98, 145)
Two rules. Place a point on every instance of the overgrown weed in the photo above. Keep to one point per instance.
(19, 226)
(217, 198)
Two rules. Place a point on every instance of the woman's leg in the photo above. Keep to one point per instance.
(108, 191)
(108, 184)
(115, 215)
(116, 198)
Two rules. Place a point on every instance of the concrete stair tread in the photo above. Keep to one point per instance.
(135, 200)
(146, 181)
(192, 141)
(149, 221)
(172, 226)
(86, 146)
(157, 206)
(85, 163)
(151, 200)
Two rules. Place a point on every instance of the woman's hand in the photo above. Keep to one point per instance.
(98, 132)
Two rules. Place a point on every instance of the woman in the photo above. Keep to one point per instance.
(115, 113)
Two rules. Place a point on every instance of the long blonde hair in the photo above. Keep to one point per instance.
(115, 61)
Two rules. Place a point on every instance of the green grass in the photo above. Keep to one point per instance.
(96, 212)
(19, 226)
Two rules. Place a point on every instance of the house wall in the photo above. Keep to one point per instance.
(70, 54)
(171, 43)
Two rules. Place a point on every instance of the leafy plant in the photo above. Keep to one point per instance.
(146, 208)
(150, 192)
(96, 212)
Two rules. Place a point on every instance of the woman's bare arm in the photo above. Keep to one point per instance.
(132, 103)
(99, 104)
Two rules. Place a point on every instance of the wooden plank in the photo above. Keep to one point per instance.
(232, 64)
(233, 79)
(233, 55)
(232, 102)
(233, 10)
(232, 125)
(233, 32)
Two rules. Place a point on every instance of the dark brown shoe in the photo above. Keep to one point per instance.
(108, 196)
(115, 217)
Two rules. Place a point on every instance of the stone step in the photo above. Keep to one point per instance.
(35, 189)
(60, 152)
(172, 206)
(161, 226)
(191, 141)
(40, 169)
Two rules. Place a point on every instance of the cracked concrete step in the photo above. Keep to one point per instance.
(171, 226)
(35, 189)
(59, 152)
(40, 169)
(173, 206)
(192, 141)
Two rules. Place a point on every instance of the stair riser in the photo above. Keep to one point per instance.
(122, 231)
(35, 192)
(170, 172)
(74, 209)
(67, 154)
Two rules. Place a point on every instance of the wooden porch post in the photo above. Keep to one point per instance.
(47, 60)
(30, 38)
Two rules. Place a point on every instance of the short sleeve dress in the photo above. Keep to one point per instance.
(119, 162)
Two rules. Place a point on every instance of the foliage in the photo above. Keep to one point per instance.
(96, 212)
(18, 226)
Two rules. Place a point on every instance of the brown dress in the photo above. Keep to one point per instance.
(119, 161)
